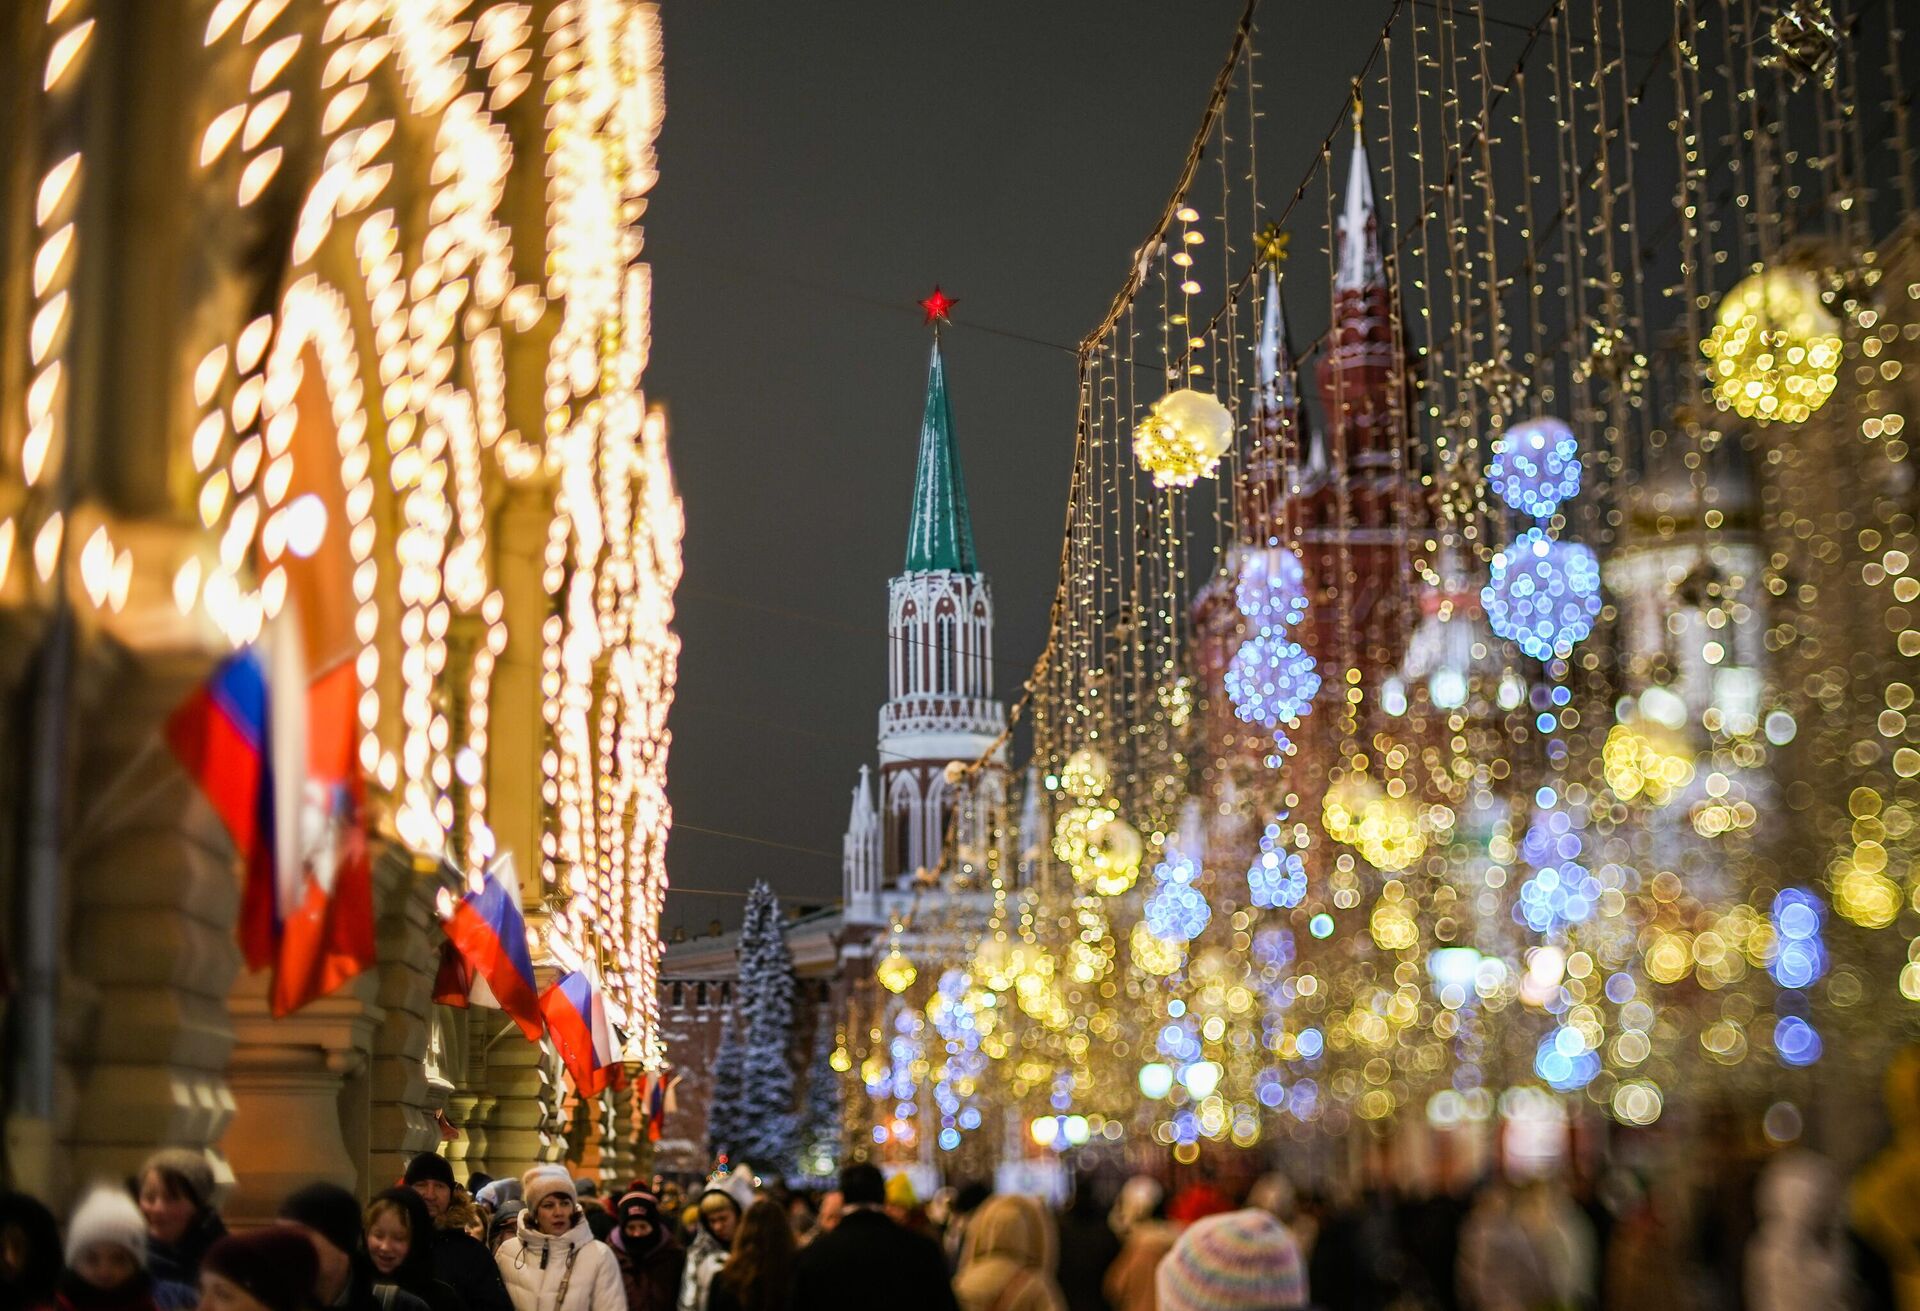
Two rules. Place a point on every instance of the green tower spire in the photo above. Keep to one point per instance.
(942, 533)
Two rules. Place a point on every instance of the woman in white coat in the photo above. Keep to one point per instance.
(553, 1262)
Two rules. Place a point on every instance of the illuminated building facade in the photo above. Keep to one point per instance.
(327, 327)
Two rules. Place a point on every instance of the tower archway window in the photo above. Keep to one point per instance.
(944, 640)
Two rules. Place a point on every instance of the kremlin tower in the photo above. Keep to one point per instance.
(940, 705)
(1343, 505)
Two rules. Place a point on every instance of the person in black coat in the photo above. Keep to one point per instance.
(869, 1261)
(30, 1253)
(460, 1261)
(1088, 1249)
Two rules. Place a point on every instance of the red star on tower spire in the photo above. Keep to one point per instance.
(938, 306)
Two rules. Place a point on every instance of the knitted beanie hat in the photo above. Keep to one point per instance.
(107, 1217)
(544, 1181)
(275, 1266)
(329, 1210)
(185, 1171)
(429, 1167)
(1240, 1261)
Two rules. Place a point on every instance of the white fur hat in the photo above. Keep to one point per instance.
(544, 1181)
(107, 1216)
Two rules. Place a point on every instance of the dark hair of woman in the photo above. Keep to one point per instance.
(759, 1274)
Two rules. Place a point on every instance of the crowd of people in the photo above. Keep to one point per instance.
(546, 1241)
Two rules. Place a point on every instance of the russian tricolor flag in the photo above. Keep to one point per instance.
(577, 1018)
(274, 755)
(490, 934)
(223, 736)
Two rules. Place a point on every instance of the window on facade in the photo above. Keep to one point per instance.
(902, 823)
(944, 641)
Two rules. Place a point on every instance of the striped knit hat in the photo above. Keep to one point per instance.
(1241, 1261)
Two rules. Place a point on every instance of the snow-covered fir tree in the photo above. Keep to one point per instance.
(724, 1109)
(820, 1121)
(767, 1127)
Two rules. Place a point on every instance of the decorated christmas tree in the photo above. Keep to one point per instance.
(766, 1133)
(819, 1134)
(724, 1110)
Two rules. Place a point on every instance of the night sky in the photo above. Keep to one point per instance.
(822, 166)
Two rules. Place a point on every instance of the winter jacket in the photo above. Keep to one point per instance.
(1130, 1279)
(179, 1263)
(571, 1272)
(78, 1295)
(652, 1278)
(461, 1262)
(1088, 1249)
(706, 1256)
(868, 1261)
(430, 1296)
(31, 1287)
(705, 1259)
(1009, 1259)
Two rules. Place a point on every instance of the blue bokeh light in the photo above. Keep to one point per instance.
(1535, 466)
(1271, 680)
(1543, 595)
(1272, 590)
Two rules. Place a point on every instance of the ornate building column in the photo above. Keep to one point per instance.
(407, 1089)
(294, 1080)
(148, 952)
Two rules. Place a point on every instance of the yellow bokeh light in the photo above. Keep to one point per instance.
(1774, 352)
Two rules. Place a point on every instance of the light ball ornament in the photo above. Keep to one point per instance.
(1177, 911)
(1153, 954)
(1086, 776)
(1542, 594)
(1341, 808)
(1182, 438)
(1646, 760)
(1388, 833)
(1073, 837)
(1114, 852)
(1535, 466)
(1774, 352)
(895, 972)
(1272, 588)
(1272, 680)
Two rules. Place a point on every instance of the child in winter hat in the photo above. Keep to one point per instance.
(1240, 1261)
(107, 1257)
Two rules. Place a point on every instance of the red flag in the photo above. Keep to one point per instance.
(453, 984)
(329, 936)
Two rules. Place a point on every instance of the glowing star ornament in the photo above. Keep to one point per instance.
(1272, 589)
(1536, 466)
(1774, 353)
(1181, 439)
(939, 306)
(1271, 680)
(1543, 595)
